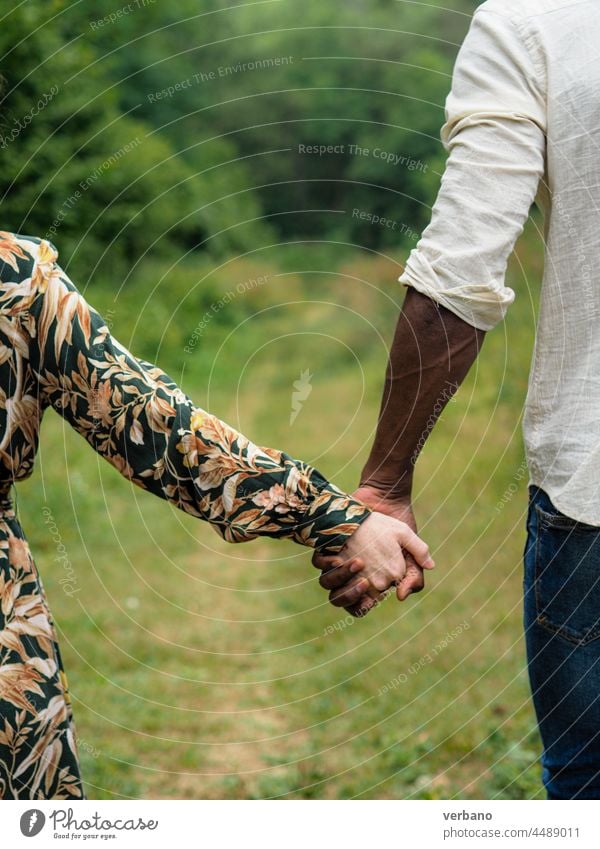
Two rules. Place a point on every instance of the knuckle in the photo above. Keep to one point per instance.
(380, 582)
(397, 572)
(335, 578)
(350, 595)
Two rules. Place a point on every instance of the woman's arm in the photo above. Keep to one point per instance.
(140, 421)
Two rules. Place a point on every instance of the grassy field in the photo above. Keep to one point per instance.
(204, 670)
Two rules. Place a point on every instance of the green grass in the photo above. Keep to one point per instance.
(204, 670)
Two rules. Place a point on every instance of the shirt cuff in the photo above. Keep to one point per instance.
(483, 306)
(330, 519)
(290, 501)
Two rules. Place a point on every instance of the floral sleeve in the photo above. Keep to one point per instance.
(138, 419)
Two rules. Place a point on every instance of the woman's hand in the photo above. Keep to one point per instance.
(399, 508)
(345, 579)
(377, 546)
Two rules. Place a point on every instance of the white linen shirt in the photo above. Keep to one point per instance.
(523, 124)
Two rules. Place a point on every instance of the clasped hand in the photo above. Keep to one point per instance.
(384, 552)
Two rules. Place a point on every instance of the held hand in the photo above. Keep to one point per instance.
(345, 579)
(380, 542)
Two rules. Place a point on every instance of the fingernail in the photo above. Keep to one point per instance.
(356, 567)
(363, 584)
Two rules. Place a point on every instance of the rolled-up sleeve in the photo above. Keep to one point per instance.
(495, 134)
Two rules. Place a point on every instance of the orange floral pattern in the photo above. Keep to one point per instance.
(56, 350)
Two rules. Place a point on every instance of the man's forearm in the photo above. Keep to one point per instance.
(430, 356)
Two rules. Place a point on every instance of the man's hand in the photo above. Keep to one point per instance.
(344, 579)
(347, 587)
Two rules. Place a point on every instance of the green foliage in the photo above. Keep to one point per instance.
(94, 178)
(163, 129)
(273, 81)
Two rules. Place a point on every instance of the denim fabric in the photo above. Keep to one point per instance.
(562, 629)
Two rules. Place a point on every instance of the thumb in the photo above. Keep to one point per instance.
(412, 582)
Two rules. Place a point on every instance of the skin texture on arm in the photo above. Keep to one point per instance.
(432, 352)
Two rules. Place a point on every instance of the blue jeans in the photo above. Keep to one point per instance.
(562, 630)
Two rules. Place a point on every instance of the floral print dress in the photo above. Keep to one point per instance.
(56, 350)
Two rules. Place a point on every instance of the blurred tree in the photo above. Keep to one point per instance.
(91, 176)
(142, 127)
(368, 77)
